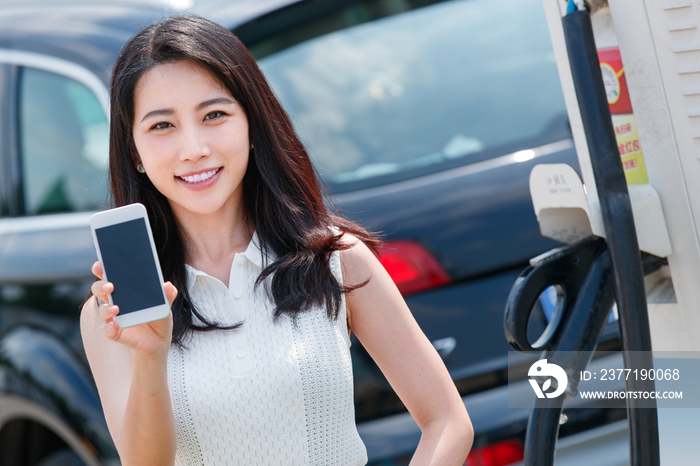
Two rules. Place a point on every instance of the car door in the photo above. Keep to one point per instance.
(54, 142)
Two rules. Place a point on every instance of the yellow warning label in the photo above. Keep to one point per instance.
(630, 148)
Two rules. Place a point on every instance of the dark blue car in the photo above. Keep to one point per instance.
(424, 119)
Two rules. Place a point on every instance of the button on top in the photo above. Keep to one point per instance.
(237, 293)
(240, 353)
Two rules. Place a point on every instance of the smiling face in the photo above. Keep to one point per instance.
(192, 138)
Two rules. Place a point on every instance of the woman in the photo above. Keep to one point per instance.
(252, 366)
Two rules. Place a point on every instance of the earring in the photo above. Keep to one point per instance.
(140, 168)
(252, 147)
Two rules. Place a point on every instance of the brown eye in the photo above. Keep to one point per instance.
(161, 125)
(214, 115)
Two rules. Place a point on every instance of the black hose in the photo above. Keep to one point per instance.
(542, 431)
(573, 349)
(620, 232)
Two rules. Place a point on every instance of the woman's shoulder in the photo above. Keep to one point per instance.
(356, 259)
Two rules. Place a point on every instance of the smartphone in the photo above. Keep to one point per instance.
(126, 250)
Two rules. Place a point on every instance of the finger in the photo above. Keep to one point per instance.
(97, 269)
(101, 289)
(170, 292)
(107, 312)
(111, 330)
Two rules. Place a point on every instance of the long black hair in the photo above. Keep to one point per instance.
(282, 195)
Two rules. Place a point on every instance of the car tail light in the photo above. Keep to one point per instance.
(496, 454)
(412, 267)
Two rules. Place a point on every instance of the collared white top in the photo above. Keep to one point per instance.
(269, 392)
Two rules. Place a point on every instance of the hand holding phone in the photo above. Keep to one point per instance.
(148, 339)
(129, 261)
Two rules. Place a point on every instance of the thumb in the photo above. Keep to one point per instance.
(170, 292)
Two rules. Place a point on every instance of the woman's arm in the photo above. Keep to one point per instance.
(380, 318)
(130, 370)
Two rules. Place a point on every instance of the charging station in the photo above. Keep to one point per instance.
(649, 58)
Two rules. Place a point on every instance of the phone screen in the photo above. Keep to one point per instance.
(128, 261)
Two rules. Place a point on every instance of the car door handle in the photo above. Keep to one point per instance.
(445, 346)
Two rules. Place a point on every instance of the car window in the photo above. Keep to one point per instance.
(63, 144)
(390, 89)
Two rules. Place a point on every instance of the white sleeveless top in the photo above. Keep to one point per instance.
(268, 392)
